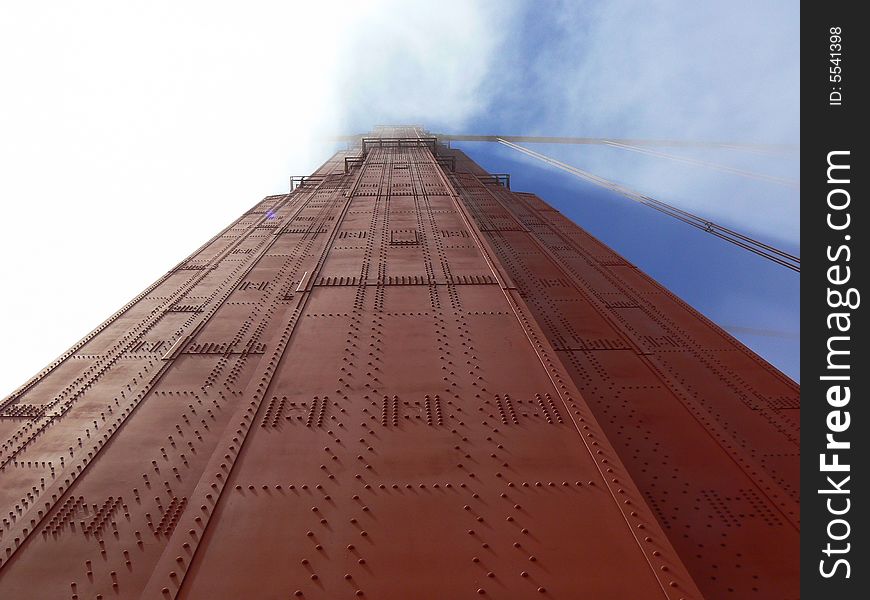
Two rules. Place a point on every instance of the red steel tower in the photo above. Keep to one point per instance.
(402, 380)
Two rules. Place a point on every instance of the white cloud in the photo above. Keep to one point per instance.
(428, 65)
(131, 132)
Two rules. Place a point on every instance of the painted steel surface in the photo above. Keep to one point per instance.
(401, 381)
(709, 431)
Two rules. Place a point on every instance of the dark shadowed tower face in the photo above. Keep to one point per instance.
(402, 380)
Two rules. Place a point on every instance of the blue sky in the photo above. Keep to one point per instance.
(131, 132)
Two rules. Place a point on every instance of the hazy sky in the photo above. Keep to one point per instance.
(130, 132)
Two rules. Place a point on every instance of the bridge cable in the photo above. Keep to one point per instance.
(703, 163)
(746, 242)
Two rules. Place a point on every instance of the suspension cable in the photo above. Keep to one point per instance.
(540, 139)
(746, 242)
(703, 163)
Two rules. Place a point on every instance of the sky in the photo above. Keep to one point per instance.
(131, 132)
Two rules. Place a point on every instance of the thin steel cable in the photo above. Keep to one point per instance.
(704, 163)
(746, 242)
(771, 149)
